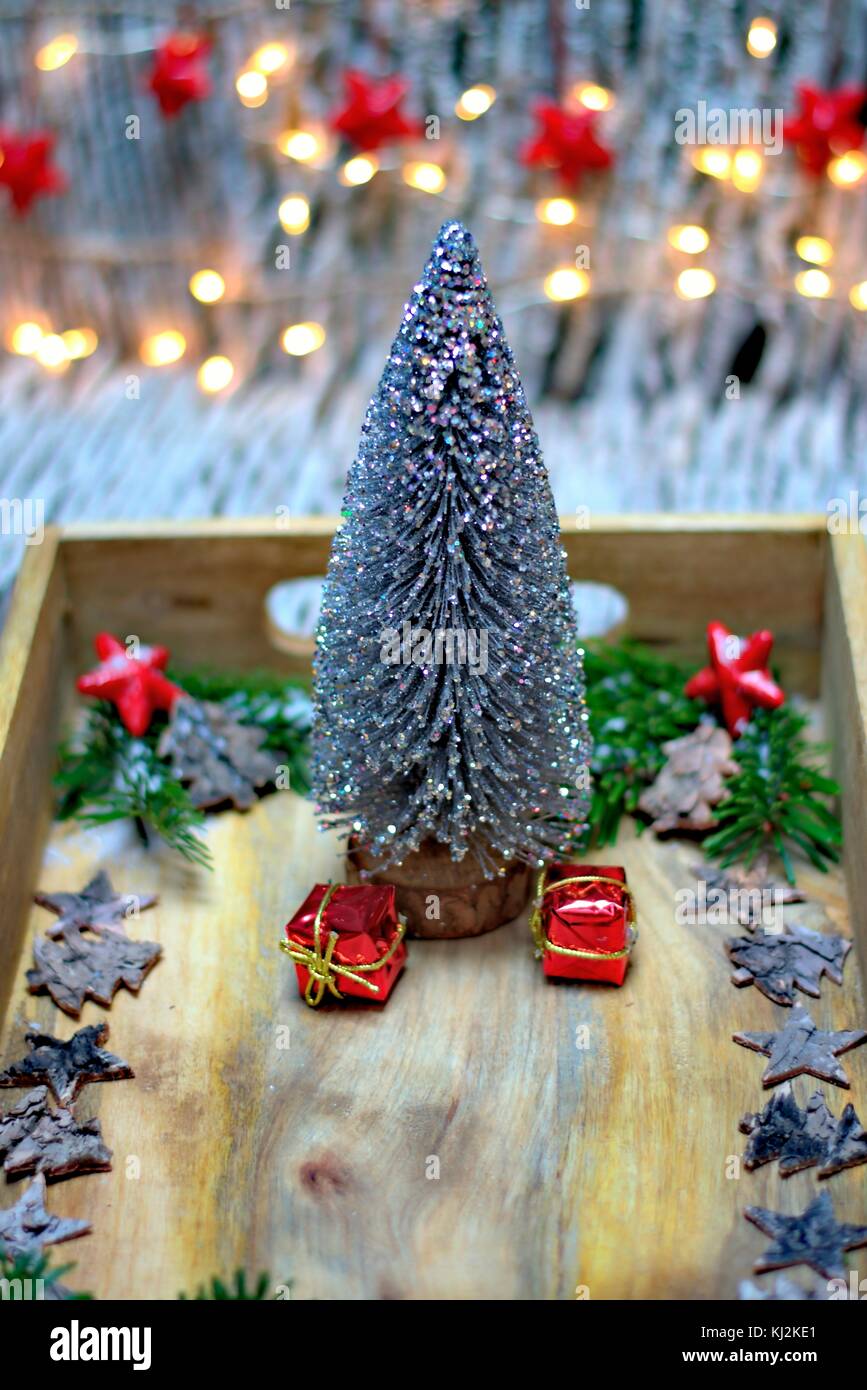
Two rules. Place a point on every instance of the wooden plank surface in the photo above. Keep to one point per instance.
(559, 1165)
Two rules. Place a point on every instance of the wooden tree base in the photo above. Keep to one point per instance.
(441, 898)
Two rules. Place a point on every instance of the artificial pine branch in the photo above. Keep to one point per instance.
(636, 704)
(35, 1267)
(236, 1290)
(778, 799)
(106, 774)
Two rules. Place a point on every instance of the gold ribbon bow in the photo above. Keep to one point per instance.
(544, 943)
(321, 967)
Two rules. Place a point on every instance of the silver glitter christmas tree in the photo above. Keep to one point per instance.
(449, 701)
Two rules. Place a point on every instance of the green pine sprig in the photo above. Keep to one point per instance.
(34, 1266)
(779, 798)
(106, 774)
(236, 1290)
(636, 704)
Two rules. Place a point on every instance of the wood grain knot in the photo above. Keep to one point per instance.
(324, 1175)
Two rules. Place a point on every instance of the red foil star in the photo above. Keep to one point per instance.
(179, 74)
(737, 678)
(566, 141)
(825, 125)
(135, 685)
(371, 116)
(26, 168)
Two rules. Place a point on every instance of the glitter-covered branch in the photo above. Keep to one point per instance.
(449, 686)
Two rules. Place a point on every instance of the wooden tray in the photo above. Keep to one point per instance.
(560, 1167)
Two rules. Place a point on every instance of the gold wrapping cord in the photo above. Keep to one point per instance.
(544, 943)
(322, 969)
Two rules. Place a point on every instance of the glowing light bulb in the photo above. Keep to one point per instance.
(858, 295)
(294, 214)
(848, 169)
(79, 342)
(695, 283)
(270, 58)
(52, 353)
(748, 166)
(360, 169)
(557, 212)
(762, 37)
(567, 283)
(25, 338)
(162, 349)
(813, 284)
(214, 374)
(712, 160)
(56, 53)
(815, 249)
(594, 97)
(475, 101)
(302, 145)
(207, 286)
(252, 88)
(301, 338)
(430, 178)
(689, 238)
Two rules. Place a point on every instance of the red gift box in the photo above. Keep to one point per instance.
(583, 922)
(346, 940)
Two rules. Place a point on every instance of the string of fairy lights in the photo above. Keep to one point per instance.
(743, 167)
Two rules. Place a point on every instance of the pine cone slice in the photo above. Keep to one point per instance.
(218, 759)
(691, 783)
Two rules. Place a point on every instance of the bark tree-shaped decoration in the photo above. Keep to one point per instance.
(691, 783)
(752, 890)
(34, 1138)
(219, 760)
(779, 963)
(78, 968)
(803, 1138)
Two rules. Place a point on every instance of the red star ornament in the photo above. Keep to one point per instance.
(135, 685)
(179, 75)
(26, 168)
(371, 116)
(566, 141)
(737, 677)
(826, 125)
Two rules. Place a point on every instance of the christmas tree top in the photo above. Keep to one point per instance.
(448, 682)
